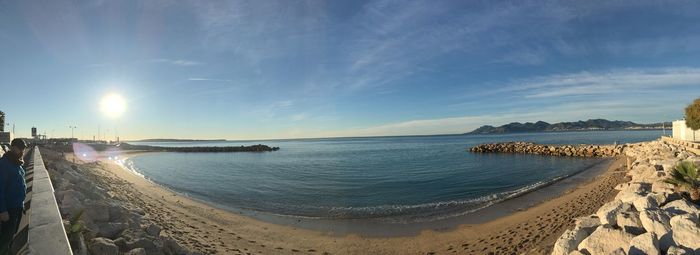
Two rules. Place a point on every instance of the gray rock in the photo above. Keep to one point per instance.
(629, 221)
(137, 251)
(103, 246)
(655, 221)
(145, 243)
(71, 193)
(587, 223)
(605, 240)
(681, 206)
(608, 212)
(96, 211)
(675, 250)
(569, 241)
(111, 230)
(153, 230)
(644, 244)
(170, 246)
(686, 231)
(648, 202)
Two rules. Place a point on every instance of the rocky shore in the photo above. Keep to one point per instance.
(98, 221)
(647, 216)
(550, 150)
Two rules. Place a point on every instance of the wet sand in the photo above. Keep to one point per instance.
(210, 230)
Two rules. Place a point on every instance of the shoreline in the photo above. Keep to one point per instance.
(200, 226)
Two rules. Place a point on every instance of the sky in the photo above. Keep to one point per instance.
(291, 69)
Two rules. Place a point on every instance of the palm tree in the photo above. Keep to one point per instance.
(686, 175)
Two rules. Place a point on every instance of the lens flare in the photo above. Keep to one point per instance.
(113, 105)
(84, 152)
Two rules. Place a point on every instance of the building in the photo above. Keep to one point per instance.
(683, 132)
(34, 132)
(5, 137)
(2, 122)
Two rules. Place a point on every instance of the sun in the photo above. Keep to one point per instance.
(113, 105)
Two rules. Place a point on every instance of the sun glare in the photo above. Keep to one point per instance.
(113, 105)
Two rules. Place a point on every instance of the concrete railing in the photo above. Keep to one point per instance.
(41, 230)
(689, 146)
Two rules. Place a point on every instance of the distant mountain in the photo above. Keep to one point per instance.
(589, 125)
(179, 140)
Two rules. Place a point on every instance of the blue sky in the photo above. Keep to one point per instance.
(285, 69)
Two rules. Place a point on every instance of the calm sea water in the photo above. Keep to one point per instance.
(394, 178)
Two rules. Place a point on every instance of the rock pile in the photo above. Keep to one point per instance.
(552, 150)
(646, 217)
(107, 225)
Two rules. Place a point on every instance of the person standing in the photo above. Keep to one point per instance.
(12, 192)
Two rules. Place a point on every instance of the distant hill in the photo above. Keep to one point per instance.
(179, 140)
(589, 125)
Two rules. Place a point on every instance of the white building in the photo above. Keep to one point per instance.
(682, 132)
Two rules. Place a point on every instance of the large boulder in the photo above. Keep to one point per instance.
(103, 246)
(71, 204)
(655, 221)
(97, 212)
(650, 201)
(681, 206)
(111, 230)
(170, 246)
(644, 244)
(605, 240)
(587, 223)
(153, 230)
(147, 243)
(661, 187)
(629, 221)
(675, 250)
(686, 231)
(75, 195)
(137, 251)
(568, 241)
(608, 212)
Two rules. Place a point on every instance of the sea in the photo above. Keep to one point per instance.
(406, 179)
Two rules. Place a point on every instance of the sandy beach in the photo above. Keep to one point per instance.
(210, 230)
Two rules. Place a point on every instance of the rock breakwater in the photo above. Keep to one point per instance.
(647, 216)
(250, 148)
(551, 150)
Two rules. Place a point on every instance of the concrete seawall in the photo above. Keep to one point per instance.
(551, 150)
(41, 229)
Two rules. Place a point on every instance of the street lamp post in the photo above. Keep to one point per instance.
(72, 128)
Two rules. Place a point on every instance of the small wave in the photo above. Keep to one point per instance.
(403, 213)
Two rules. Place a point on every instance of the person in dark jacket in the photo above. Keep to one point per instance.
(12, 192)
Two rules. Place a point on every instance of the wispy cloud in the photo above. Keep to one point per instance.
(208, 79)
(178, 62)
(604, 82)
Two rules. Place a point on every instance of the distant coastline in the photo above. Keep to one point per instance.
(164, 140)
(589, 125)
